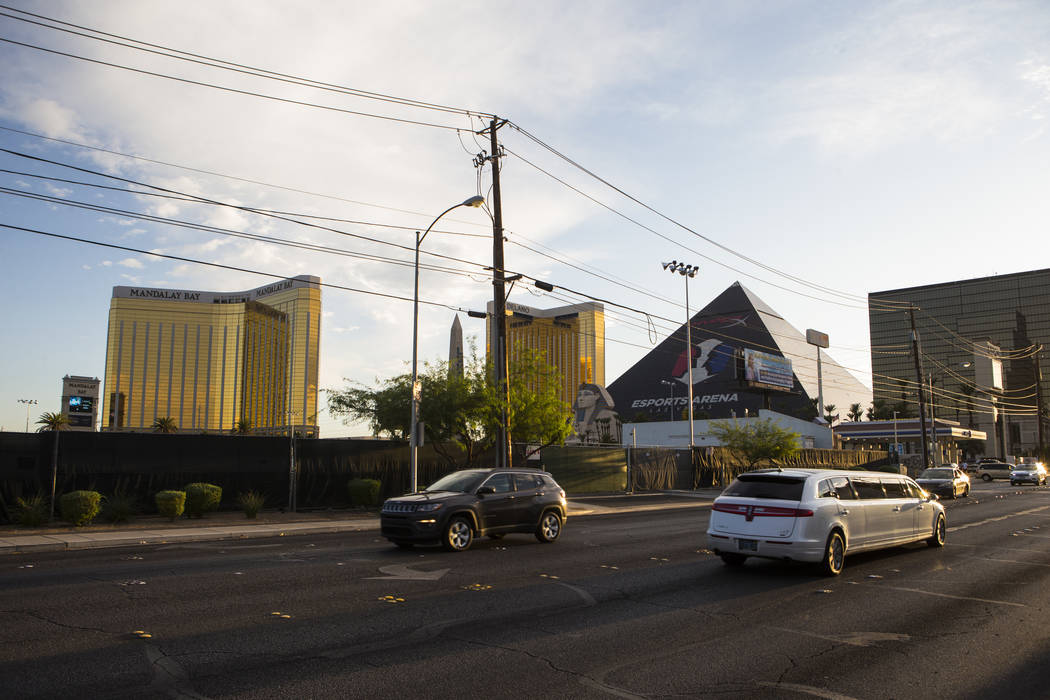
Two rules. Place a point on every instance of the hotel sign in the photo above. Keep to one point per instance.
(214, 297)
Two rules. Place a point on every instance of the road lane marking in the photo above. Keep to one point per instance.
(998, 518)
(806, 690)
(403, 572)
(588, 599)
(954, 597)
(856, 639)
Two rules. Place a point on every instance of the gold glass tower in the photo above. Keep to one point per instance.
(212, 361)
(572, 338)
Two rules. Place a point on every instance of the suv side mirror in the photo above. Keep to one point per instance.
(485, 490)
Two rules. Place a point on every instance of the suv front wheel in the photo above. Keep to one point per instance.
(458, 534)
(549, 527)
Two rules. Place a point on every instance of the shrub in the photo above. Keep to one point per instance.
(119, 507)
(364, 492)
(31, 511)
(251, 502)
(80, 507)
(202, 498)
(171, 503)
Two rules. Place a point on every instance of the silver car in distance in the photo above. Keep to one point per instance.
(820, 515)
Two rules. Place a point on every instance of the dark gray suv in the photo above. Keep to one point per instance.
(477, 502)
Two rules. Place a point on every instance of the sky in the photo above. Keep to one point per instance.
(814, 151)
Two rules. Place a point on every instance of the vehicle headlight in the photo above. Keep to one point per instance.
(428, 507)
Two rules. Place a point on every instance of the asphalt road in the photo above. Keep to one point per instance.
(624, 605)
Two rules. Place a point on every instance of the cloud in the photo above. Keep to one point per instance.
(132, 263)
(50, 118)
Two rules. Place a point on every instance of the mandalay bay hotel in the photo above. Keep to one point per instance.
(214, 361)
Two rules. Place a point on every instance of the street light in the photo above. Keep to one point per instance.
(670, 384)
(27, 402)
(475, 201)
(687, 271)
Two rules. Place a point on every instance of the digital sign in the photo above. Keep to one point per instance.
(767, 371)
(81, 404)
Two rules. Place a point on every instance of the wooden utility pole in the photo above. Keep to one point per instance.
(499, 301)
(917, 353)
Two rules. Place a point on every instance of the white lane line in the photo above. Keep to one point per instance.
(998, 518)
(610, 690)
(588, 599)
(995, 547)
(856, 639)
(806, 690)
(1009, 561)
(953, 597)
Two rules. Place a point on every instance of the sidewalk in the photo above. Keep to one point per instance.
(154, 529)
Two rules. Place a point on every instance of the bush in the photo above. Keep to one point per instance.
(119, 507)
(171, 503)
(32, 511)
(80, 507)
(202, 498)
(364, 492)
(251, 502)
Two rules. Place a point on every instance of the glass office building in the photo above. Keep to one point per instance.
(956, 321)
(214, 361)
(572, 338)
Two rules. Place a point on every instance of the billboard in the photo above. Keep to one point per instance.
(766, 371)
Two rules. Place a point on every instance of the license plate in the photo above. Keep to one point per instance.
(747, 545)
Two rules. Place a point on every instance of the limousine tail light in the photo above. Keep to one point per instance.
(760, 511)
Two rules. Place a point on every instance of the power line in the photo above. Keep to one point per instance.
(249, 93)
(233, 268)
(797, 280)
(212, 62)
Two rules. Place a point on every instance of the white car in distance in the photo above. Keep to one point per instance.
(820, 515)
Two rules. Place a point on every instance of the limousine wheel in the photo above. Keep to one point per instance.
(733, 559)
(940, 531)
(834, 555)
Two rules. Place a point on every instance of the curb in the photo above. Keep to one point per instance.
(71, 541)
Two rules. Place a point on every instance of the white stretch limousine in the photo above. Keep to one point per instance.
(820, 515)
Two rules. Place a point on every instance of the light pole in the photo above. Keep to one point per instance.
(687, 271)
(28, 403)
(475, 201)
(670, 384)
(896, 445)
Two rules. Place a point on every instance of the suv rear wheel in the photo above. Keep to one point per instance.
(458, 534)
(549, 527)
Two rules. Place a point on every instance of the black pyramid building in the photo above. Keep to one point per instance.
(655, 388)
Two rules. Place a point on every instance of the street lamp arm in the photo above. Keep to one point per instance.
(475, 201)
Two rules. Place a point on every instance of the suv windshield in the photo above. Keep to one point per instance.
(937, 474)
(458, 481)
(787, 488)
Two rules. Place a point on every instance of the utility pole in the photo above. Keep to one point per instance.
(917, 353)
(499, 300)
(1039, 402)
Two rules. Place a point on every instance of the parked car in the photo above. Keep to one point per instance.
(474, 503)
(818, 515)
(1033, 472)
(993, 469)
(945, 482)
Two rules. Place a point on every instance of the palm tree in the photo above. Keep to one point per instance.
(829, 413)
(54, 423)
(855, 412)
(243, 427)
(165, 425)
